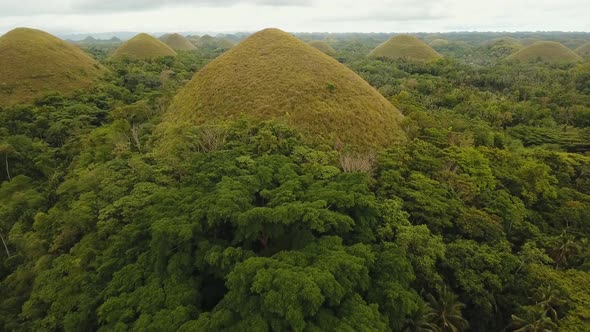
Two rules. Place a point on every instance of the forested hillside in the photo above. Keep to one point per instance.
(479, 221)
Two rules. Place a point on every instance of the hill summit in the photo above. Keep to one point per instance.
(177, 42)
(405, 47)
(546, 51)
(143, 46)
(584, 50)
(273, 75)
(323, 46)
(33, 63)
(209, 42)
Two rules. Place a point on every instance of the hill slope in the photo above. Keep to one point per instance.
(33, 63)
(143, 46)
(546, 51)
(323, 46)
(406, 47)
(273, 75)
(177, 42)
(584, 50)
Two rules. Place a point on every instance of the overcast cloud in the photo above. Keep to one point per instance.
(84, 16)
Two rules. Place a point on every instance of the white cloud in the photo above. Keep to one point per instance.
(60, 16)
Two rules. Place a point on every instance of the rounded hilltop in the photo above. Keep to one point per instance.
(34, 63)
(323, 47)
(504, 42)
(502, 47)
(273, 75)
(546, 51)
(210, 42)
(143, 46)
(405, 47)
(177, 42)
(584, 50)
(439, 42)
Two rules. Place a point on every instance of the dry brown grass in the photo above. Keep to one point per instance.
(33, 63)
(273, 75)
(143, 46)
(405, 47)
(546, 51)
(208, 138)
(177, 42)
(352, 162)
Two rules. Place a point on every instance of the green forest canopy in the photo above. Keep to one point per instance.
(479, 221)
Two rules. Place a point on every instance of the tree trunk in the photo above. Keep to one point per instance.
(5, 246)
(6, 161)
(135, 134)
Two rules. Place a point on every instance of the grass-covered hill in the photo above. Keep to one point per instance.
(34, 63)
(177, 42)
(502, 47)
(323, 46)
(273, 75)
(584, 50)
(143, 46)
(405, 47)
(504, 42)
(439, 42)
(209, 42)
(546, 51)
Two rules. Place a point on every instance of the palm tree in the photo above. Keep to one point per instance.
(418, 320)
(6, 149)
(549, 299)
(5, 245)
(534, 319)
(564, 248)
(445, 312)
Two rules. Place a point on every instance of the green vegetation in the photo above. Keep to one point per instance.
(405, 47)
(545, 51)
(273, 75)
(177, 42)
(477, 221)
(143, 46)
(323, 46)
(34, 63)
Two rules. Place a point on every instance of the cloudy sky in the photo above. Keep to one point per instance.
(85, 16)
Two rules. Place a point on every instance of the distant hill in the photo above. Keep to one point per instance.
(503, 47)
(193, 39)
(273, 75)
(405, 47)
(209, 42)
(177, 42)
(33, 63)
(439, 42)
(584, 50)
(143, 46)
(546, 51)
(323, 46)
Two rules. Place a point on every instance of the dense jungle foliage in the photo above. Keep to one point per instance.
(480, 222)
